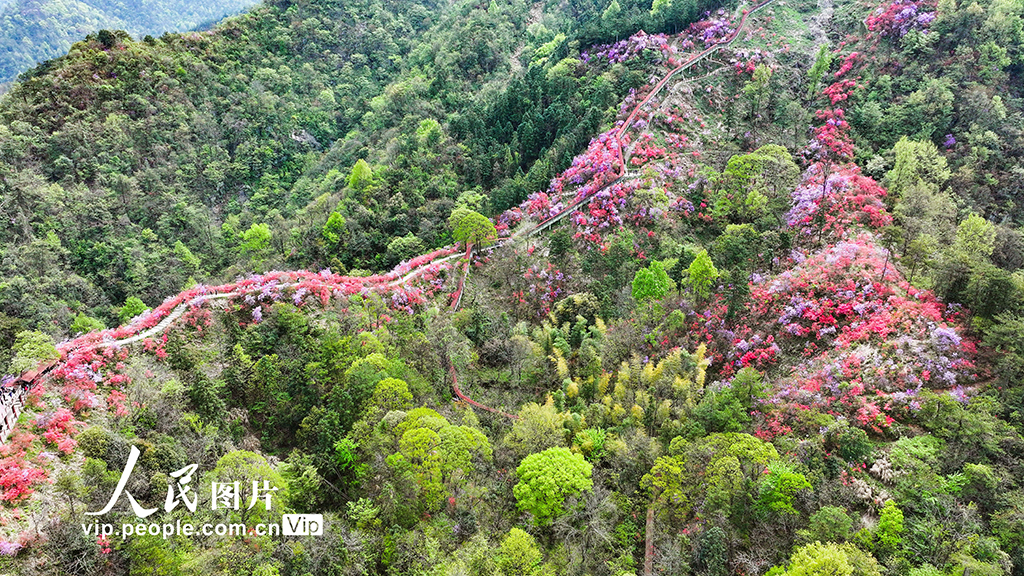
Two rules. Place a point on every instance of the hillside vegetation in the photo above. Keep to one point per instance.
(32, 31)
(748, 301)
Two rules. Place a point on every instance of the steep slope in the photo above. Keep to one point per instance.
(151, 161)
(721, 328)
(32, 31)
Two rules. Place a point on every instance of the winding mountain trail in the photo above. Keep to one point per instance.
(324, 284)
(622, 174)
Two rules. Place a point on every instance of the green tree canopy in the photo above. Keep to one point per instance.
(84, 323)
(757, 184)
(651, 283)
(718, 472)
(248, 467)
(916, 163)
(472, 228)
(830, 559)
(779, 487)
(519, 555)
(611, 12)
(829, 524)
(333, 229)
(132, 308)
(256, 244)
(403, 248)
(431, 449)
(30, 348)
(702, 275)
(975, 238)
(538, 427)
(391, 394)
(890, 527)
(547, 478)
(361, 177)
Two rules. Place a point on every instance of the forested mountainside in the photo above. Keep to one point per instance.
(129, 148)
(667, 288)
(32, 31)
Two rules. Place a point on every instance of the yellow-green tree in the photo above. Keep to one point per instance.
(817, 559)
(361, 177)
(702, 275)
(472, 228)
(651, 283)
(519, 555)
(916, 163)
(716, 473)
(391, 394)
(31, 348)
(547, 478)
(537, 428)
(431, 450)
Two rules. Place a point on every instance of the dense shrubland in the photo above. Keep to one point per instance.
(32, 32)
(782, 343)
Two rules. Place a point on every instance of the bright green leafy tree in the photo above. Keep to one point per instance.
(391, 394)
(702, 275)
(333, 229)
(651, 283)
(539, 426)
(830, 524)
(817, 559)
(362, 175)
(246, 468)
(472, 227)
(84, 323)
(431, 450)
(31, 348)
(519, 555)
(779, 488)
(890, 528)
(547, 478)
(916, 163)
(718, 472)
(132, 308)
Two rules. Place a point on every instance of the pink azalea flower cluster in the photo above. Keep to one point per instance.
(59, 427)
(604, 213)
(630, 48)
(845, 198)
(592, 170)
(872, 344)
(17, 473)
(900, 17)
(540, 288)
(848, 63)
(840, 90)
(744, 62)
(645, 150)
(712, 30)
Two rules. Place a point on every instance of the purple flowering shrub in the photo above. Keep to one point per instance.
(902, 16)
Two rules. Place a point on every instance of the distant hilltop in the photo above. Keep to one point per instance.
(34, 31)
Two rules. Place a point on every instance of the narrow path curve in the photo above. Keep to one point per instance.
(451, 366)
(10, 403)
(628, 122)
(166, 322)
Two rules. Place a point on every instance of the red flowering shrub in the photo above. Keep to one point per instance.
(872, 343)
